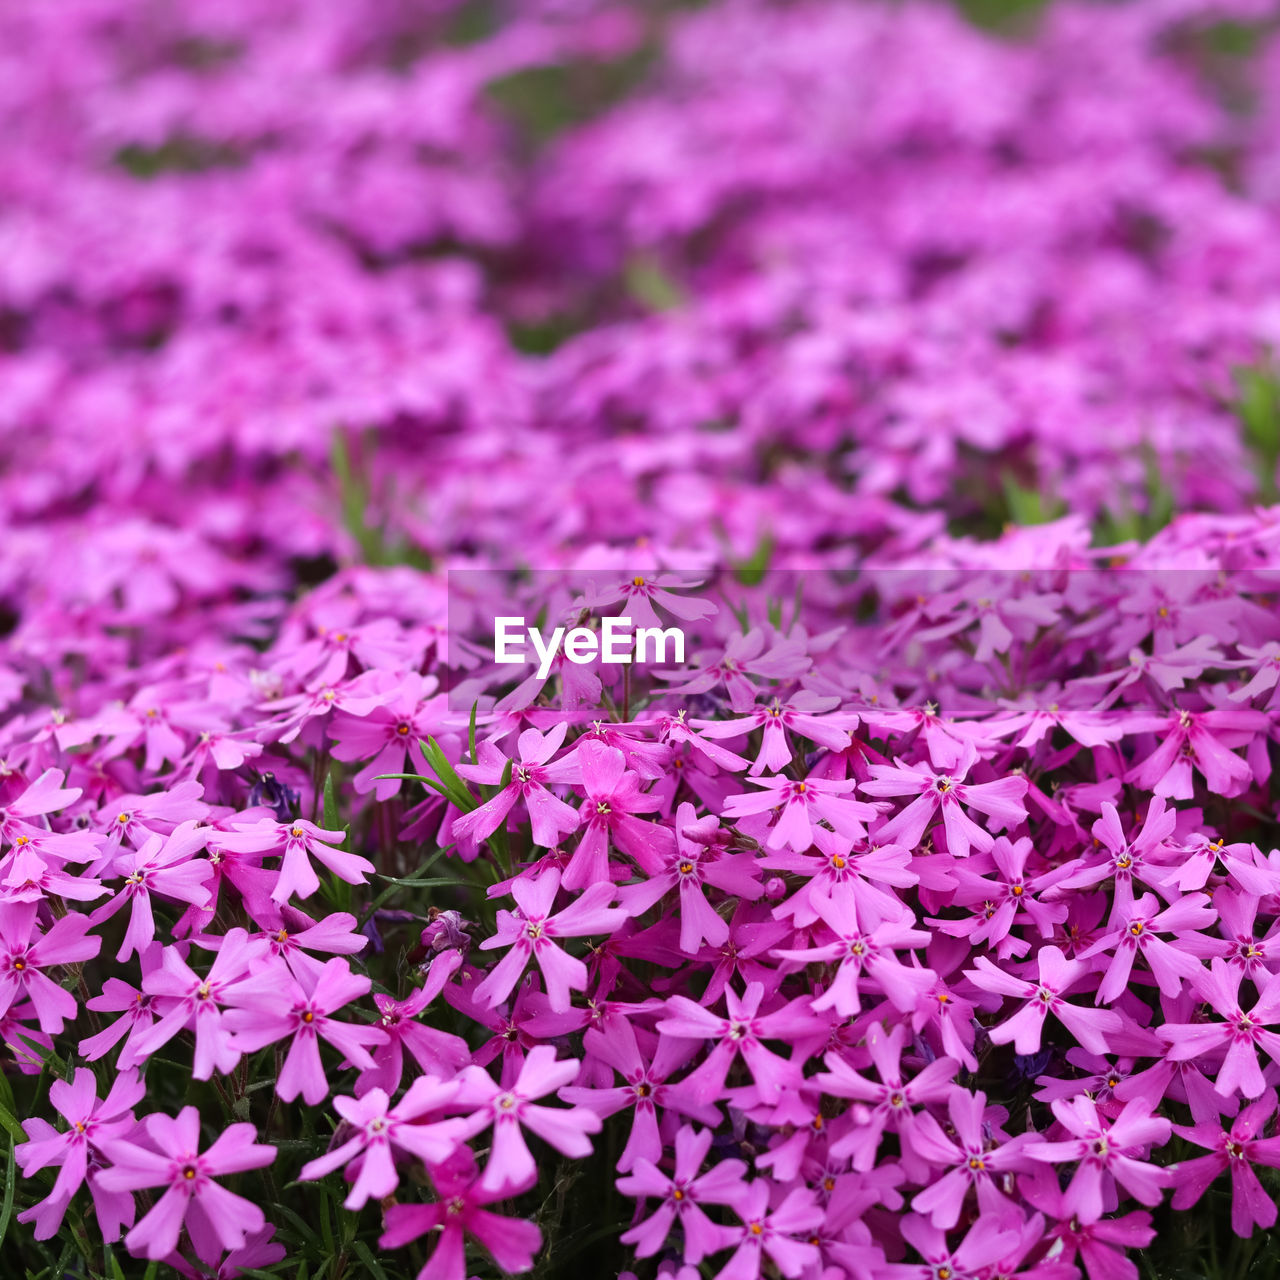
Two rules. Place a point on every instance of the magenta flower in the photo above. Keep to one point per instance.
(888, 1103)
(804, 713)
(970, 1160)
(1236, 1149)
(1057, 975)
(511, 1167)
(743, 656)
(391, 732)
(948, 792)
(1203, 739)
(1138, 934)
(681, 1195)
(25, 955)
(375, 1129)
(215, 1218)
(1242, 1034)
(647, 1088)
(273, 1005)
(866, 954)
(459, 1213)
(92, 1123)
(437, 1052)
(1126, 860)
(739, 1034)
(550, 819)
(163, 866)
(772, 1234)
(297, 842)
(690, 866)
(531, 933)
(1106, 1152)
(985, 1245)
(801, 808)
(199, 1003)
(608, 815)
(641, 592)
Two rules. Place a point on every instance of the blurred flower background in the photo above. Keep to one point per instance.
(306, 304)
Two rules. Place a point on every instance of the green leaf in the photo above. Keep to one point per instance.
(750, 572)
(331, 821)
(649, 285)
(371, 1263)
(9, 1122)
(10, 1181)
(471, 733)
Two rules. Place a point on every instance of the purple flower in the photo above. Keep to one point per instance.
(1236, 1150)
(1057, 975)
(739, 1034)
(531, 933)
(459, 1213)
(375, 1129)
(681, 1195)
(608, 815)
(273, 1005)
(92, 1123)
(511, 1167)
(215, 1218)
(26, 954)
(549, 818)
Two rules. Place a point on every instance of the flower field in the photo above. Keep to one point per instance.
(910, 372)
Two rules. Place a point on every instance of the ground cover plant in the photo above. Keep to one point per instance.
(920, 921)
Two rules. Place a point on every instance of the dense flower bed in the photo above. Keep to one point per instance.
(920, 923)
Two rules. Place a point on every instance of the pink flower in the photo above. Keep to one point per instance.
(215, 1218)
(802, 714)
(974, 1162)
(681, 1195)
(889, 1102)
(647, 1087)
(531, 933)
(744, 655)
(1106, 1152)
(92, 1123)
(608, 814)
(1057, 976)
(511, 1168)
(25, 955)
(391, 732)
(375, 1129)
(1201, 738)
(459, 1213)
(866, 953)
(1138, 934)
(549, 818)
(801, 807)
(199, 1003)
(1237, 1149)
(297, 842)
(164, 866)
(739, 1034)
(435, 1051)
(273, 1005)
(1001, 800)
(690, 866)
(772, 1233)
(1242, 1033)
